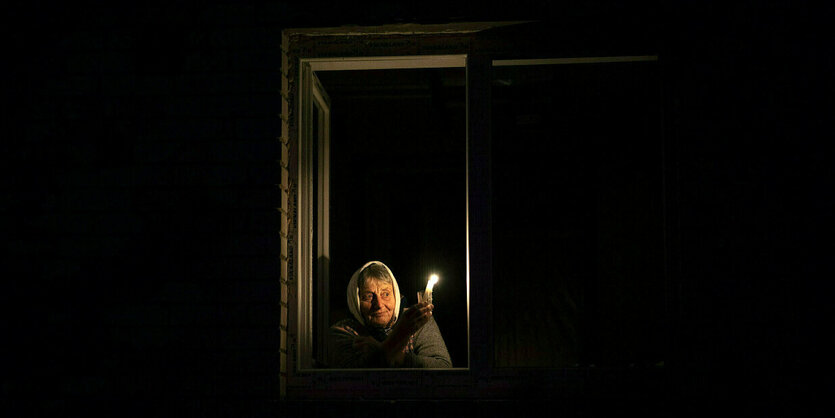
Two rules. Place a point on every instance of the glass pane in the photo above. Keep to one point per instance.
(398, 187)
(577, 215)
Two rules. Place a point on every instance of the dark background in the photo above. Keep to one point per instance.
(139, 200)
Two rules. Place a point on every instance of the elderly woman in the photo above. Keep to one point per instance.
(380, 334)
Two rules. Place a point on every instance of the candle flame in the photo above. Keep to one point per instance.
(432, 280)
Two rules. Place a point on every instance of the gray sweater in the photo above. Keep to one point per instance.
(426, 348)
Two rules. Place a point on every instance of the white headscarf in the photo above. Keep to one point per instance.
(354, 292)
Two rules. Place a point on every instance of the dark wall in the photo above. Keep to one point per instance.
(139, 205)
(138, 197)
(747, 114)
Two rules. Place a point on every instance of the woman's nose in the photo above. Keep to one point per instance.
(375, 303)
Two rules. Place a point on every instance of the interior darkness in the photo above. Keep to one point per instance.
(577, 215)
(398, 186)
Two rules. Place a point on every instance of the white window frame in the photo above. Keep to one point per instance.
(308, 50)
(313, 94)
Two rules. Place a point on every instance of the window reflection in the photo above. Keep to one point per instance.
(577, 215)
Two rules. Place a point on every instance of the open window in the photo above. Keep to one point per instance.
(389, 186)
(529, 174)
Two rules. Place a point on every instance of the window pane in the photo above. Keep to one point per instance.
(398, 187)
(577, 215)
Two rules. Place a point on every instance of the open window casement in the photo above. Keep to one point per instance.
(313, 198)
(513, 184)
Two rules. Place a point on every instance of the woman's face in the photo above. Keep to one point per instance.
(376, 302)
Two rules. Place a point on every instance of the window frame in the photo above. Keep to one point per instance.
(310, 50)
(313, 219)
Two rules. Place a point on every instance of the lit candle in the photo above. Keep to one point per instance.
(427, 294)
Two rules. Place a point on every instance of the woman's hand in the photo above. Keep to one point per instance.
(413, 319)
